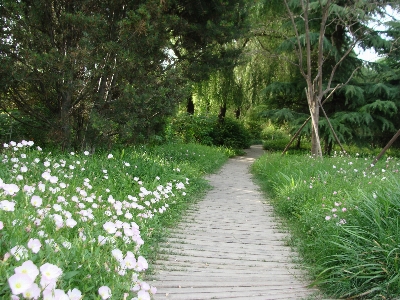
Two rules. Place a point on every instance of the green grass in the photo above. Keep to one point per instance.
(150, 186)
(344, 216)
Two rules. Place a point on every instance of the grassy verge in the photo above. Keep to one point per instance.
(88, 225)
(344, 216)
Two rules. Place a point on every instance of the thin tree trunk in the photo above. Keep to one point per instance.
(386, 147)
(222, 112)
(333, 130)
(296, 135)
(304, 124)
(190, 106)
(65, 121)
(237, 113)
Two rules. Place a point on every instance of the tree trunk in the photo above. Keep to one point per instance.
(313, 104)
(394, 138)
(237, 113)
(190, 106)
(65, 120)
(298, 144)
(328, 145)
(222, 112)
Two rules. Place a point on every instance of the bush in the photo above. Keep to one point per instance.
(188, 128)
(274, 139)
(208, 130)
(231, 133)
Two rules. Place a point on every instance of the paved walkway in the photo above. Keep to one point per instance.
(229, 246)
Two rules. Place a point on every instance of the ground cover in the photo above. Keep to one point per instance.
(83, 225)
(344, 216)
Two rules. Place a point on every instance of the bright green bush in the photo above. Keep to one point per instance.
(275, 139)
(189, 128)
(208, 130)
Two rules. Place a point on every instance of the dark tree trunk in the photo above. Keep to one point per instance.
(394, 138)
(190, 106)
(65, 120)
(222, 112)
(328, 146)
(237, 113)
(298, 144)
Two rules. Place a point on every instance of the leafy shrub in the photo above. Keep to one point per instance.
(274, 139)
(274, 133)
(231, 133)
(254, 123)
(208, 130)
(188, 128)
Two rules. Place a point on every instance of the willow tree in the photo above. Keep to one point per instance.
(311, 27)
(200, 31)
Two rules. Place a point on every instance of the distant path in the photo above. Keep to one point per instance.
(229, 245)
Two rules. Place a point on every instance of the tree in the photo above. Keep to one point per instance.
(89, 73)
(201, 32)
(323, 35)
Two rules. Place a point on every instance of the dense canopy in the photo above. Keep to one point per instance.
(87, 74)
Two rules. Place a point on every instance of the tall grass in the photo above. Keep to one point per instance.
(344, 215)
(84, 225)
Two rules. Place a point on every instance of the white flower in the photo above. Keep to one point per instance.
(10, 189)
(7, 205)
(34, 245)
(33, 292)
(118, 255)
(19, 252)
(70, 223)
(36, 201)
(28, 268)
(75, 294)
(101, 240)
(104, 292)
(19, 283)
(109, 227)
(67, 245)
(56, 294)
(50, 271)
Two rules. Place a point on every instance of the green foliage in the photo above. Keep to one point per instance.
(231, 133)
(191, 129)
(122, 178)
(254, 123)
(93, 74)
(367, 262)
(343, 215)
(277, 138)
(209, 130)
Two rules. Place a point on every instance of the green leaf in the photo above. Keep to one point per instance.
(69, 275)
